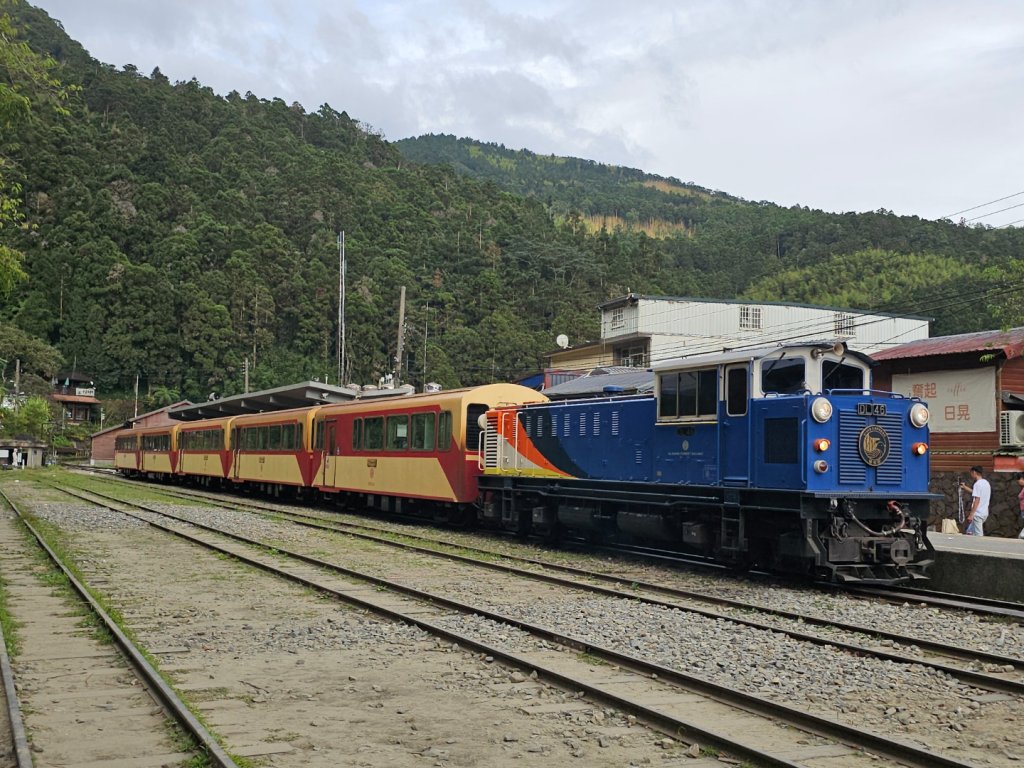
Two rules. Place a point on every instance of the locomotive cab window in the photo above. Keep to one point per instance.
(357, 434)
(840, 375)
(688, 394)
(783, 376)
(736, 391)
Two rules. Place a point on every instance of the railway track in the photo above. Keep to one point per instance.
(1006, 680)
(83, 708)
(632, 673)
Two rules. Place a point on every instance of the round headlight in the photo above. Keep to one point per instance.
(919, 415)
(821, 410)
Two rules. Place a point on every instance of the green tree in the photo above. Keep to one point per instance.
(25, 77)
(32, 419)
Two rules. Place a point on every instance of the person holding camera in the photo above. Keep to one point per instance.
(981, 494)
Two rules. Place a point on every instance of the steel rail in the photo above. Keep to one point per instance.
(979, 679)
(904, 753)
(156, 684)
(944, 600)
(22, 750)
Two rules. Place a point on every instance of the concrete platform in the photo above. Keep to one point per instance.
(983, 566)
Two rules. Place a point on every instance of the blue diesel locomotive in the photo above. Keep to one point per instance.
(780, 458)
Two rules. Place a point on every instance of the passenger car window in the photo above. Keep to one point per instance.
(398, 433)
(373, 433)
(423, 432)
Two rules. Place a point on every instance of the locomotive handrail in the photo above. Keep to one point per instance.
(883, 392)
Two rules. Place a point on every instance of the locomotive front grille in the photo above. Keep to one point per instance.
(852, 469)
(891, 471)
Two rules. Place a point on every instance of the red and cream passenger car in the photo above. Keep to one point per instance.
(421, 450)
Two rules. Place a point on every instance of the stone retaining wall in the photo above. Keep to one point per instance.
(1003, 517)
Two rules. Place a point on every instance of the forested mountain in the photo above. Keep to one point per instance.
(171, 233)
(713, 244)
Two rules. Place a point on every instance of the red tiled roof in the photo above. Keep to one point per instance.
(1010, 343)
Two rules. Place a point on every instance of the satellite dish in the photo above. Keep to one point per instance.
(562, 340)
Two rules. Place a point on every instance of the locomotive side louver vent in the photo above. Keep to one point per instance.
(597, 424)
(583, 425)
(1011, 428)
(615, 422)
(490, 442)
(639, 457)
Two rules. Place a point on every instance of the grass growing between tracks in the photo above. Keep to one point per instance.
(7, 623)
(57, 540)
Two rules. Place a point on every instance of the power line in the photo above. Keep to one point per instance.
(976, 207)
(993, 213)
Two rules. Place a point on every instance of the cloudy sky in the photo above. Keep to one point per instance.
(850, 105)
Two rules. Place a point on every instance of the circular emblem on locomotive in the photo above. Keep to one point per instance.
(873, 444)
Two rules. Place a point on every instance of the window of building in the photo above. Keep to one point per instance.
(635, 356)
(750, 318)
(618, 317)
(843, 325)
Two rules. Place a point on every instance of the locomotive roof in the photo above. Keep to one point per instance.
(752, 353)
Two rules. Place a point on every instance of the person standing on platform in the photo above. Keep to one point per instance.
(1020, 498)
(981, 494)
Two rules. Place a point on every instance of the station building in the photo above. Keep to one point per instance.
(974, 386)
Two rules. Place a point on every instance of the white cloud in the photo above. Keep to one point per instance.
(911, 106)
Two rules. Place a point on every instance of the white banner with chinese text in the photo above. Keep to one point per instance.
(959, 401)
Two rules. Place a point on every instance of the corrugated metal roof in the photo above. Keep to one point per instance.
(1010, 343)
(635, 297)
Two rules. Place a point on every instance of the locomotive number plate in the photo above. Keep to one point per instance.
(871, 409)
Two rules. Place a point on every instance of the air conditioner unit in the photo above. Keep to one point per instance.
(1011, 428)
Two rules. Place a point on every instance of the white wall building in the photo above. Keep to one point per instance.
(639, 330)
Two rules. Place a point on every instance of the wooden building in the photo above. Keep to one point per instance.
(974, 386)
(75, 394)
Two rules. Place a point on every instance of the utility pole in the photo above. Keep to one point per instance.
(340, 350)
(136, 395)
(426, 327)
(401, 337)
(17, 377)
(247, 375)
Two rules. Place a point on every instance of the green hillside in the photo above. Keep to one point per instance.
(171, 233)
(728, 247)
